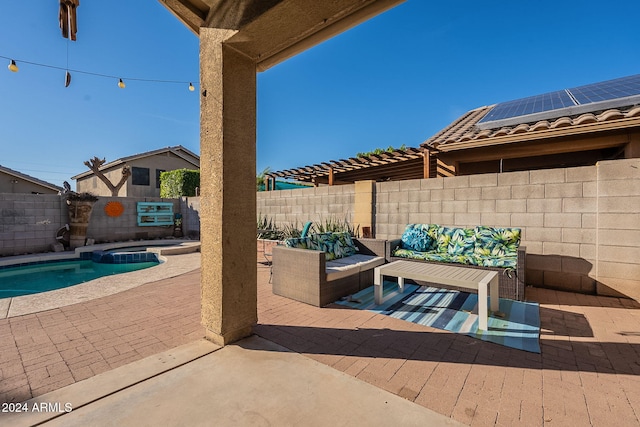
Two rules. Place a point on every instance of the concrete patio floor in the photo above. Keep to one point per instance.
(587, 374)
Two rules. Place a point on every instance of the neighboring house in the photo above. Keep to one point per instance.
(145, 172)
(16, 182)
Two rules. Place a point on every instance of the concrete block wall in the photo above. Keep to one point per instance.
(618, 223)
(307, 204)
(29, 222)
(581, 226)
(190, 209)
(104, 228)
(554, 208)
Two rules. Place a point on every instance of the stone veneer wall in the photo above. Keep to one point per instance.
(29, 222)
(581, 226)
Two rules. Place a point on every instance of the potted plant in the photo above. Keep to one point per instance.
(177, 227)
(79, 207)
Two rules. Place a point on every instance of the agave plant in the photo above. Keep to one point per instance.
(333, 225)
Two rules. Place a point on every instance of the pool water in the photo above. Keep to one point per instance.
(33, 279)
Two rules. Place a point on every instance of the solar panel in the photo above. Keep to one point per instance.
(593, 97)
(611, 89)
(530, 105)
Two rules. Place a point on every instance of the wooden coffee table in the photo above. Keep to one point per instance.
(444, 274)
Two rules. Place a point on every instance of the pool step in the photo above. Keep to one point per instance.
(123, 257)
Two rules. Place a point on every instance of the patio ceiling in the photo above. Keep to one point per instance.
(395, 165)
(274, 30)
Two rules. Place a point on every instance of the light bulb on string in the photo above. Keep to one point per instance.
(191, 87)
(67, 78)
(13, 67)
(121, 84)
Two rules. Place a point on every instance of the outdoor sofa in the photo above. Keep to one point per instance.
(322, 268)
(490, 248)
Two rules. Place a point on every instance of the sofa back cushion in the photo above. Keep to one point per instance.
(456, 241)
(419, 237)
(335, 245)
(301, 243)
(496, 241)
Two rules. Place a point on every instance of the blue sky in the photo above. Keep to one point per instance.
(396, 79)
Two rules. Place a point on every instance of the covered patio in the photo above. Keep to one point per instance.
(587, 373)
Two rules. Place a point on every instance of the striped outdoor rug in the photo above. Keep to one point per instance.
(456, 312)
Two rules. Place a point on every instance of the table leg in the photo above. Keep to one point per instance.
(401, 284)
(483, 314)
(494, 294)
(377, 286)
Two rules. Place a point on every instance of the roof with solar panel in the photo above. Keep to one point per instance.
(582, 109)
(567, 102)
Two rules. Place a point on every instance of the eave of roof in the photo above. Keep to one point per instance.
(30, 178)
(175, 150)
(463, 133)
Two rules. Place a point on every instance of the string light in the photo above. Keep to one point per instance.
(13, 67)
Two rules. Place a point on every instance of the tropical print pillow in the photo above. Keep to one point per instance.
(335, 245)
(456, 241)
(416, 237)
(301, 243)
(496, 241)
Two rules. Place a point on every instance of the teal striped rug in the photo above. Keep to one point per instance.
(456, 312)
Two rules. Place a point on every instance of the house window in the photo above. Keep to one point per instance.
(140, 176)
(158, 172)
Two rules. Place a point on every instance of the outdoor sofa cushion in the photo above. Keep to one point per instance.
(343, 267)
(335, 245)
(480, 246)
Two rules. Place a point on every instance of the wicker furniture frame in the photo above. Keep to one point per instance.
(511, 283)
(300, 274)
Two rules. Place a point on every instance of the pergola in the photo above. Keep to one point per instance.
(237, 39)
(396, 165)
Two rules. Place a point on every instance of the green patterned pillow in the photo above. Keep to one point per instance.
(456, 241)
(335, 245)
(301, 243)
(496, 241)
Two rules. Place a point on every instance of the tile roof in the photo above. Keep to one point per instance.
(464, 133)
(29, 178)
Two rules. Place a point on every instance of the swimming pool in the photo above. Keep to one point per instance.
(43, 277)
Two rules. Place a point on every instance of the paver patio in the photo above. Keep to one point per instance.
(587, 374)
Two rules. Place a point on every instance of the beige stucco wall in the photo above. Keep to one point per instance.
(164, 161)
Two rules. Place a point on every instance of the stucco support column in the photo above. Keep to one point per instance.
(228, 188)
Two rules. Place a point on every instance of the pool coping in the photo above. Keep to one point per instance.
(173, 264)
(161, 247)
